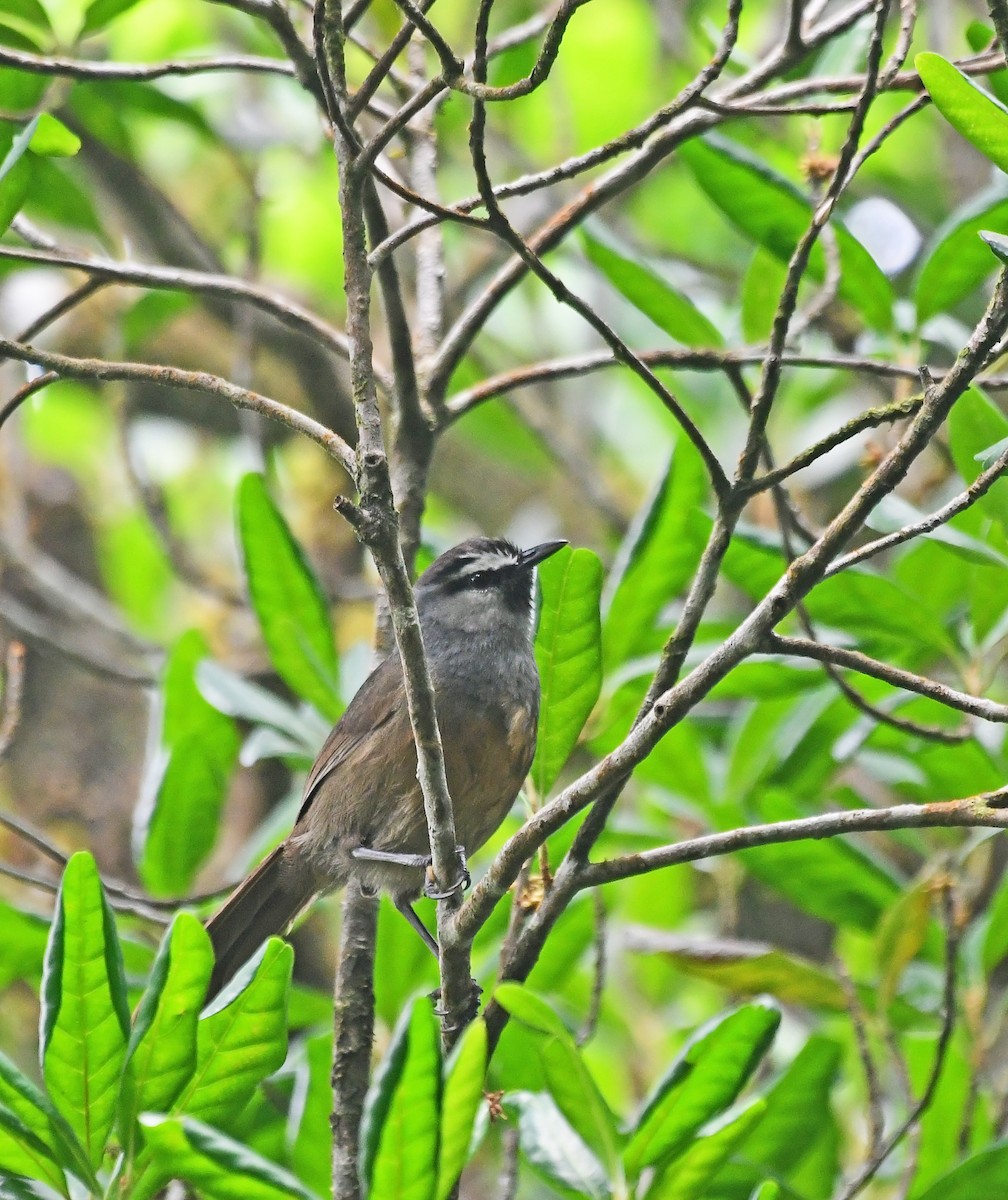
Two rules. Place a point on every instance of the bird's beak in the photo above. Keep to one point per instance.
(536, 554)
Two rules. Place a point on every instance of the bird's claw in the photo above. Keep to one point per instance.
(431, 889)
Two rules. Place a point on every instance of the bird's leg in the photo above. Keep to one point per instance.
(409, 913)
(366, 854)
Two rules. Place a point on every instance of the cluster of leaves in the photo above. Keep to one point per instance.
(138, 1105)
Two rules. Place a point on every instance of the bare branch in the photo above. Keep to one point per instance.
(77, 68)
(193, 381)
(13, 686)
(854, 660)
(989, 809)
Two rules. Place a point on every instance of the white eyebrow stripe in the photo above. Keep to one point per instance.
(492, 560)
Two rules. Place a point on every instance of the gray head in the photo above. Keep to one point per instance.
(481, 581)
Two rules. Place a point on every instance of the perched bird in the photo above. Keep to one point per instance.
(362, 818)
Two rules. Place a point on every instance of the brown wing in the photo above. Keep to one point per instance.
(378, 700)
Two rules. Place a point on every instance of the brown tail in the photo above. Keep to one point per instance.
(263, 904)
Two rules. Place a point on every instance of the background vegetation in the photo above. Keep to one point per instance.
(700, 289)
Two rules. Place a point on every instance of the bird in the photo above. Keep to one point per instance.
(362, 817)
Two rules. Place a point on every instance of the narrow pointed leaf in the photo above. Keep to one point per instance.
(85, 1018)
(219, 1167)
(161, 1054)
(985, 1174)
(691, 1174)
(957, 260)
(288, 600)
(35, 1112)
(771, 211)
(657, 558)
(23, 1153)
(461, 1099)
(670, 309)
(571, 1085)
(240, 1039)
(405, 1159)
(311, 1146)
(553, 1150)
(201, 745)
(702, 1082)
(568, 650)
(976, 114)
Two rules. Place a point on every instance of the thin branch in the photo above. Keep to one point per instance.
(989, 809)
(500, 224)
(193, 381)
(870, 1169)
(354, 1033)
(590, 1023)
(770, 379)
(858, 1019)
(181, 279)
(979, 487)
(854, 660)
(77, 68)
(13, 687)
(61, 308)
(25, 393)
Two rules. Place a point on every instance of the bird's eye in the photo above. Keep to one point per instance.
(479, 578)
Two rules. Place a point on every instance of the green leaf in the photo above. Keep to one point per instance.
(974, 424)
(980, 37)
(571, 1085)
(977, 115)
(239, 697)
(797, 1128)
(830, 879)
(202, 746)
(100, 12)
(761, 290)
(771, 211)
(35, 1112)
(311, 1148)
(958, 261)
(750, 969)
(690, 1175)
(14, 187)
(161, 1055)
(52, 139)
(463, 1095)
(288, 600)
(648, 292)
(657, 558)
(29, 16)
(902, 934)
(553, 1150)
(399, 1144)
(702, 1082)
(23, 1153)
(25, 936)
(241, 1038)
(985, 1174)
(221, 1168)
(568, 652)
(85, 1018)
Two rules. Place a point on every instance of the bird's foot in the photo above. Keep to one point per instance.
(431, 888)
